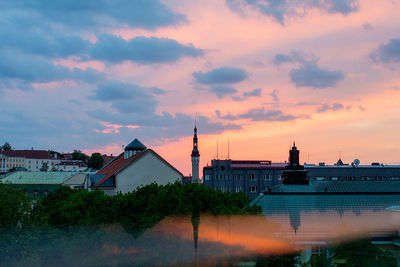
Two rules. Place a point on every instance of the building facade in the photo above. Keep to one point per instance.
(31, 160)
(70, 166)
(248, 176)
(136, 166)
(374, 172)
(255, 177)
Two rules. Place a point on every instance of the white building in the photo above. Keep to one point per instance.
(137, 166)
(70, 166)
(32, 160)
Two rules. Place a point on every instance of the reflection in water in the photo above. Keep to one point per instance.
(290, 223)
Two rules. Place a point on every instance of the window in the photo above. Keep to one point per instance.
(253, 189)
(365, 178)
(252, 176)
(395, 178)
(379, 178)
(36, 193)
(320, 178)
(207, 177)
(238, 189)
(45, 193)
(334, 178)
(278, 177)
(349, 178)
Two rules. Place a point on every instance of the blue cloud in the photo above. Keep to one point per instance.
(141, 49)
(332, 107)
(226, 75)
(388, 53)
(259, 114)
(309, 73)
(88, 14)
(281, 10)
(126, 97)
(20, 70)
(253, 93)
(222, 90)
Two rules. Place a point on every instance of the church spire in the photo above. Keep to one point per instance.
(195, 155)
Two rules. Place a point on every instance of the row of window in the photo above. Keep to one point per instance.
(353, 178)
(37, 194)
(236, 189)
(252, 189)
(252, 176)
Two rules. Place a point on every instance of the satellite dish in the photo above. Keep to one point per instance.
(356, 162)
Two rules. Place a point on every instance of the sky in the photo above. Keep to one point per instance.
(259, 74)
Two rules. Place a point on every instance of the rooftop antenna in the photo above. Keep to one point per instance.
(340, 154)
(217, 148)
(228, 148)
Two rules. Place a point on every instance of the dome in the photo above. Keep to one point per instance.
(135, 145)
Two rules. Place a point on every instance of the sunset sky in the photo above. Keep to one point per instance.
(94, 75)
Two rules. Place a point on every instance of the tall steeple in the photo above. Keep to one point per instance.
(195, 157)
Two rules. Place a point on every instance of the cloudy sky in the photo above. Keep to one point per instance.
(93, 75)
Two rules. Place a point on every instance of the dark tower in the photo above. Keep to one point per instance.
(294, 156)
(195, 157)
(294, 173)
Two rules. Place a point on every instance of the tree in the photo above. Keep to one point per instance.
(6, 146)
(78, 155)
(96, 161)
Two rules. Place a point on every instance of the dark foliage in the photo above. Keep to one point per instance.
(96, 161)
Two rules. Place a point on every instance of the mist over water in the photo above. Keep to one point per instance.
(220, 239)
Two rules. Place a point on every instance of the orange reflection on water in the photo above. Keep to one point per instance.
(277, 234)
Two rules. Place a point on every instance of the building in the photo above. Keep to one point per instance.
(107, 159)
(253, 177)
(136, 166)
(195, 156)
(31, 160)
(294, 173)
(249, 176)
(70, 166)
(353, 172)
(37, 184)
(76, 181)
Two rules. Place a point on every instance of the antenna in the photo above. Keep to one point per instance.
(217, 148)
(340, 154)
(228, 148)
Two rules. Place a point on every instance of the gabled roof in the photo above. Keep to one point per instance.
(29, 154)
(119, 163)
(135, 145)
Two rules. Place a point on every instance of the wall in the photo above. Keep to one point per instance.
(145, 170)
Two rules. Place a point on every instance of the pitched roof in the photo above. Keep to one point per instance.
(119, 163)
(22, 177)
(114, 166)
(135, 145)
(29, 154)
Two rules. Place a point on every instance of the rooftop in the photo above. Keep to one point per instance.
(29, 154)
(135, 145)
(22, 177)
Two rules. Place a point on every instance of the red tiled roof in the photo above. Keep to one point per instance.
(29, 154)
(67, 156)
(119, 163)
(114, 166)
(107, 159)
